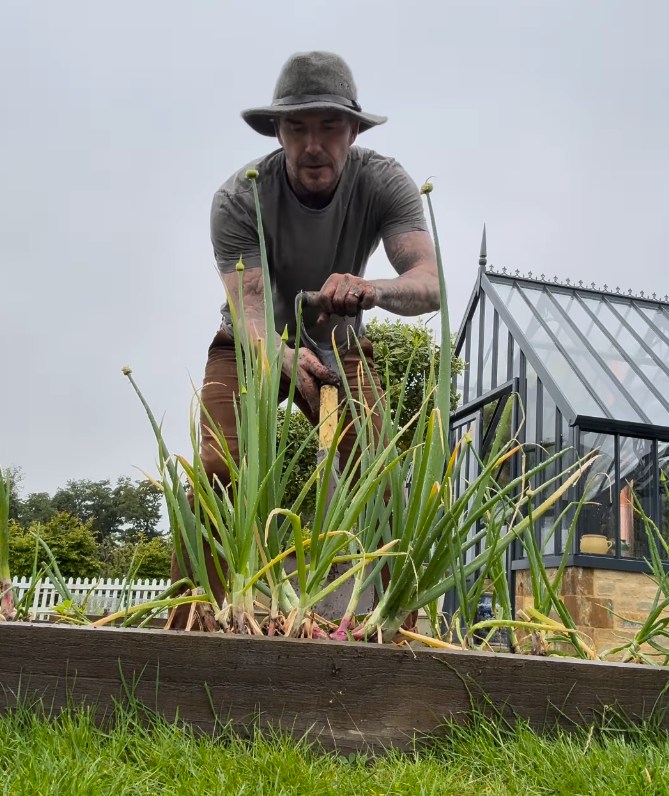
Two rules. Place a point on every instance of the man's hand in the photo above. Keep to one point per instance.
(311, 373)
(345, 294)
(414, 291)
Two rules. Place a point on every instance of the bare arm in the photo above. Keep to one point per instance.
(415, 290)
(253, 298)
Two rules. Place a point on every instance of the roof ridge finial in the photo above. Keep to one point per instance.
(483, 256)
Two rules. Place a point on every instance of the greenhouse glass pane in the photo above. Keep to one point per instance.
(663, 459)
(502, 353)
(630, 386)
(503, 476)
(459, 387)
(659, 318)
(515, 363)
(563, 510)
(488, 415)
(547, 440)
(637, 481)
(466, 459)
(530, 406)
(472, 470)
(486, 372)
(598, 515)
(650, 324)
(600, 381)
(565, 436)
(561, 371)
(472, 364)
(633, 351)
(546, 450)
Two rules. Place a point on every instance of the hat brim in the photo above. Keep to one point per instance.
(262, 119)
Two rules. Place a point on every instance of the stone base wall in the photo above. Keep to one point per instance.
(606, 605)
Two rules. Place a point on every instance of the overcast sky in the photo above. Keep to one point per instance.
(549, 121)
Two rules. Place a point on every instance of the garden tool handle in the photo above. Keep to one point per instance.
(329, 400)
(310, 298)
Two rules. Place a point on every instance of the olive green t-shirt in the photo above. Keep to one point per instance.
(374, 200)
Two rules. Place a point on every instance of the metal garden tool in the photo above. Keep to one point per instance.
(333, 606)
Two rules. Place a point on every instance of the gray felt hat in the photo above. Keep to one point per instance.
(315, 81)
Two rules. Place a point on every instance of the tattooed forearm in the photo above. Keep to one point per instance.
(416, 289)
(253, 297)
(413, 293)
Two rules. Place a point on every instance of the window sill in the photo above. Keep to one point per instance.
(591, 562)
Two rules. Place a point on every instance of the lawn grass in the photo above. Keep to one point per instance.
(70, 756)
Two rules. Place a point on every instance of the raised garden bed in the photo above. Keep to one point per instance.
(349, 696)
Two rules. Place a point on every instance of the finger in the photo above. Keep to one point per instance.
(317, 370)
(368, 297)
(346, 298)
(327, 293)
(352, 301)
(342, 297)
(330, 377)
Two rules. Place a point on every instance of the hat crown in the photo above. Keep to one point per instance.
(311, 81)
(315, 73)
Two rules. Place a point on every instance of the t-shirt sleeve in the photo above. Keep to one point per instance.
(401, 204)
(234, 233)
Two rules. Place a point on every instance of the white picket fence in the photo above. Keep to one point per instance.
(101, 596)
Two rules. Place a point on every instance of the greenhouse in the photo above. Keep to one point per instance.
(591, 368)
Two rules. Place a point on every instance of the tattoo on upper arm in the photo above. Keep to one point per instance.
(416, 289)
(252, 283)
(252, 287)
(408, 249)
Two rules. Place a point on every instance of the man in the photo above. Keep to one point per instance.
(325, 205)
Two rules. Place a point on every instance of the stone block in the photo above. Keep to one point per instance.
(600, 614)
(627, 579)
(577, 580)
(630, 621)
(606, 587)
(593, 595)
(630, 604)
(588, 612)
(605, 639)
(577, 608)
(521, 584)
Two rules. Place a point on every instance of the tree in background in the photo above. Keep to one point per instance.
(92, 528)
(139, 507)
(36, 508)
(89, 501)
(124, 512)
(143, 558)
(72, 543)
(14, 476)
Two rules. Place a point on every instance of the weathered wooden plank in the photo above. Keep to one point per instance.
(348, 695)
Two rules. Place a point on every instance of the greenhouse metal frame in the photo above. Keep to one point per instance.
(591, 369)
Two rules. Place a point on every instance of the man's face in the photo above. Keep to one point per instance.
(316, 144)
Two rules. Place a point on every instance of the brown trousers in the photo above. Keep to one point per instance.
(218, 391)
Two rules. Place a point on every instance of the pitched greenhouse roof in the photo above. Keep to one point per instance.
(607, 354)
